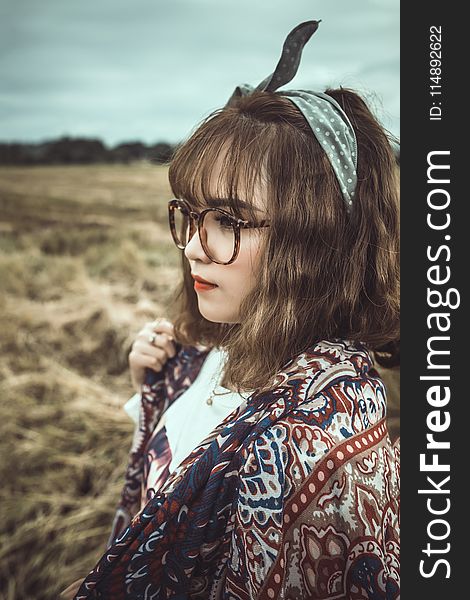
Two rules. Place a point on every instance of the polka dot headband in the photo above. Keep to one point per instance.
(329, 123)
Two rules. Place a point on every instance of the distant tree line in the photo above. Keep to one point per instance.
(69, 150)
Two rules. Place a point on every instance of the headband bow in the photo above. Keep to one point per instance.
(328, 121)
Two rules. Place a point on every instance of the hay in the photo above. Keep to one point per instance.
(82, 267)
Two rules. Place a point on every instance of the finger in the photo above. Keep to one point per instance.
(163, 326)
(146, 332)
(166, 342)
(155, 327)
(160, 341)
(144, 347)
(144, 361)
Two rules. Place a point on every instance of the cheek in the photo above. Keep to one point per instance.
(247, 265)
(256, 252)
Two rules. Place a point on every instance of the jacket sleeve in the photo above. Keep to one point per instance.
(316, 516)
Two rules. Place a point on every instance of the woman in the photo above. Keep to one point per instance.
(286, 206)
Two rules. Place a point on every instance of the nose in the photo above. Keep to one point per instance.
(194, 249)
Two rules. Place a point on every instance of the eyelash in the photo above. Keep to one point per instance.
(221, 218)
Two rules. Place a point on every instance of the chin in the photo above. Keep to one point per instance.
(217, 319)
(214, 318)
(210, 313)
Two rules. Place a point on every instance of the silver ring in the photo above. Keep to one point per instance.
(152, 338)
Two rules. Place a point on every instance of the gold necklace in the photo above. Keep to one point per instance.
(210, 400)
(215, 380)
(218, 377)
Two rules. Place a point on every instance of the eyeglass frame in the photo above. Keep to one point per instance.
(237, 224)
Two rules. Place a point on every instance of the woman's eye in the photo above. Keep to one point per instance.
(224, 221)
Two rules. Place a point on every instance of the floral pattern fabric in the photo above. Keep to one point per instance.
(294, 495)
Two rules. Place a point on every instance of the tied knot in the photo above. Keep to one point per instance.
(327, 120)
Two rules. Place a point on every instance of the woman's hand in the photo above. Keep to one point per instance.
(70, 592)
(153, 346)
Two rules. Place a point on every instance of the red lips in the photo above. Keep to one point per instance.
(201, 280)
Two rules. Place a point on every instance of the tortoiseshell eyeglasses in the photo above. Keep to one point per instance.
(219, 231)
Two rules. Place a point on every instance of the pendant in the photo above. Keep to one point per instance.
(209, 400)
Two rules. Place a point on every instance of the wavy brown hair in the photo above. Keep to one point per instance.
(324, 274)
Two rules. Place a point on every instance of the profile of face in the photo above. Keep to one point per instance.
(221, 304)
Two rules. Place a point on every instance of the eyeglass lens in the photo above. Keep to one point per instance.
(217, 233)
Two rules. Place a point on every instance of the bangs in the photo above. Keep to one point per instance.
(224, 164)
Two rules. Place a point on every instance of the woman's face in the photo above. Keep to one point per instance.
(221, 304)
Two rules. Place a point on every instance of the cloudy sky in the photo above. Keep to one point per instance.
(152, 69)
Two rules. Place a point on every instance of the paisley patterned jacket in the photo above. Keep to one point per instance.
(294, 495)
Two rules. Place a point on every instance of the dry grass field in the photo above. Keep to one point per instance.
(85, 259)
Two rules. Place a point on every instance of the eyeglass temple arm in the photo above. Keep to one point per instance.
(248, 225)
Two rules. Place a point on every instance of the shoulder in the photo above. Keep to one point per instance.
(335, 395)
(335, 380)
